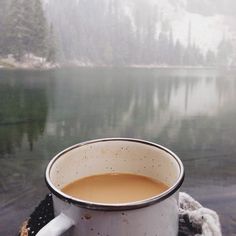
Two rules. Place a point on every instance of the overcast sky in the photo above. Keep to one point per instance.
(212, 7)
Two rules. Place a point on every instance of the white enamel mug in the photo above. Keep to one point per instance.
(151, 217)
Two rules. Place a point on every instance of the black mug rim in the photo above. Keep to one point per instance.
(115, 207)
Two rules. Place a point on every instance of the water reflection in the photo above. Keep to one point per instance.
(23, 110)
(140, 103)
(179, 108)
(190, 111)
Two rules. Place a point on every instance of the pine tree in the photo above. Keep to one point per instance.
(210, 58)
(224, 52)
(15, 29)
(28, 22)
(162, 48)
(3, 11)
(40, 30)
(51, 48)
(26, 29)
(171, 48)
(178, 53)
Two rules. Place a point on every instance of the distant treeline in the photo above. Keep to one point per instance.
(100, 32)
(24, 30)
(124, 32)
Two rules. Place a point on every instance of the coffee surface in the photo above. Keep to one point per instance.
(114, 188)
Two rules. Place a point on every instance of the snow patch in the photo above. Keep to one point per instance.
(28, 61)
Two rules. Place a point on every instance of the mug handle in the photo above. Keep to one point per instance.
(57, 226)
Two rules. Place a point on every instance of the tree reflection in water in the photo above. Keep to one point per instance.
(23, 111)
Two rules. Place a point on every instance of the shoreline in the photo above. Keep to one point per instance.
(29, 62)
(43, 65)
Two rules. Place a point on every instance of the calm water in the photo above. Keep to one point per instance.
(193, 112)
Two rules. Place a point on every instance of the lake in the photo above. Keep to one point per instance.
(190, 111)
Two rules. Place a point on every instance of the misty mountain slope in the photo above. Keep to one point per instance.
(206, 30)
(138, 32)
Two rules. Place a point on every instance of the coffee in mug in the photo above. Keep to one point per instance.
(114, 188)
